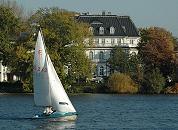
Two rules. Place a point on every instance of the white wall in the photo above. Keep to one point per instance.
(105, 45)
(1, 72)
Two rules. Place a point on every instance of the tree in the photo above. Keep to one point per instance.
(123, 62)
(16, 9)
(119, 60)
(14, 46)
(136, 68)
(153, 82)
(156, 49)
(22, 62)
(64, 38)
(8, 32)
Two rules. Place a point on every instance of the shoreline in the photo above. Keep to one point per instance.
(125, 94)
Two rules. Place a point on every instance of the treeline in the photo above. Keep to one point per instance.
(63, 39)
(152, 70)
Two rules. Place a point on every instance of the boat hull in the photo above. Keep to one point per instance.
(58, 116)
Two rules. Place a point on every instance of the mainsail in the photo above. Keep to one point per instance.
(48, 89)
(40, 75)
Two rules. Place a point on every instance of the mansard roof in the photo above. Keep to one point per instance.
(123, 25)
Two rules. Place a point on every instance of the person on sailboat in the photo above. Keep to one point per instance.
(48, 110)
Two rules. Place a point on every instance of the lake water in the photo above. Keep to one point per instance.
(96, 111)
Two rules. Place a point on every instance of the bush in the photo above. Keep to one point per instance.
(153, 82)
(122, 83)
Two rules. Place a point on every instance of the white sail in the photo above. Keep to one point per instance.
(60, 100)
(48, 89)
(40, 75)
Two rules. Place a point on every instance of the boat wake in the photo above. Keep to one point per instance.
(20, 118)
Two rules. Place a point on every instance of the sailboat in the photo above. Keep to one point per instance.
(48, 89)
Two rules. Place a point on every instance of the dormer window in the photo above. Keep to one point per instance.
(124, 29)
(112, 30)
(101, 30)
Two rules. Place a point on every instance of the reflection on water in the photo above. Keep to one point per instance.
(56, 125)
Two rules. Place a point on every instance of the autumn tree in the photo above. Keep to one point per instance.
(156, 49)
(121, 83)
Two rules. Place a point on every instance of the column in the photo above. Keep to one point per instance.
(5, 73)
(1, 70)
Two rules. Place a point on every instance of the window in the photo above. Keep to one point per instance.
(91, 55)
(132, 41)
(97, 40)
(91, 29)
(101, 30)
(112, 40)
(103, 40)
(112, 30)
(124, 29)
(122, 40)
(118, 40)
(101, 55)
(101, 69)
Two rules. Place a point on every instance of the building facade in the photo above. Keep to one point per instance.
(3, 72)
(109, 31)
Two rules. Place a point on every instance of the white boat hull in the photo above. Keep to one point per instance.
(57, 116)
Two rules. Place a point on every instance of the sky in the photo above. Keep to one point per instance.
(144, 13)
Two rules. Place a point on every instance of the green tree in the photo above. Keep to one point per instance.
(153, 82)
(136, 68)
(119, 60)
(22, 62)
(14, 46)
(123, 62)
(8, 32)
(64, 38)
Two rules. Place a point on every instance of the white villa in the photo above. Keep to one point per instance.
(109, 31)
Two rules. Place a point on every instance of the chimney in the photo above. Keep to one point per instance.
(85, 13)
(103, 12)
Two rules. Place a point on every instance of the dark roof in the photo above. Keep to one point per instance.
(123, 24)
